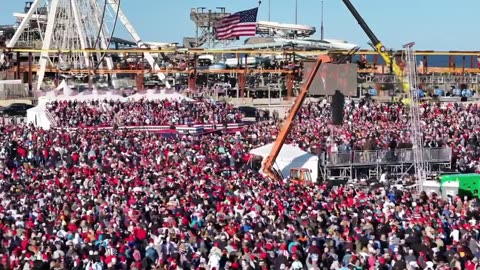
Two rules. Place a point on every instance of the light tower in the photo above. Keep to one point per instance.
(410, 73)
(74, 26)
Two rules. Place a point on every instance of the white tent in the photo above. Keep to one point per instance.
(82, 97)
(61, 86)
(38, 116)
(67, 91)
(290, 157)
(162, 95)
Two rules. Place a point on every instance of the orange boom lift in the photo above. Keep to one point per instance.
(296, 174)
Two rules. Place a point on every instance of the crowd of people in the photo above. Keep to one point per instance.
(385, 126)
(125, 199)
(95, 113)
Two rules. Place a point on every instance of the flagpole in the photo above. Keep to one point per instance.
(269, 7)
(296, 11)
(321, 27)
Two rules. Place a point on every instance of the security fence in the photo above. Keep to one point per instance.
(398, 156)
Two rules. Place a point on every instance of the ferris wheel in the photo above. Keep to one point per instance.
(73, 25)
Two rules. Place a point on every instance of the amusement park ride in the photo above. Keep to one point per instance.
(73, 37)
(77, 27)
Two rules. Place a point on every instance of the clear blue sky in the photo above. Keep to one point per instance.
(432, 24)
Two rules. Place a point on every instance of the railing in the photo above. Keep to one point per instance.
(51, 118)
(399, 156)
(450, 79)
(12, 120)
(182, 129)
(431, 79)
(13, 89)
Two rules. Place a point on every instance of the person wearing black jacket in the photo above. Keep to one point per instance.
(400, 264)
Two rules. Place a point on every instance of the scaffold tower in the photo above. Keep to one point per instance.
(410, 73)
(204, 22)
(75, 25)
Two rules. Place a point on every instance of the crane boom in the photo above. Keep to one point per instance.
(288, 124)
(377, 45)
(373, 38)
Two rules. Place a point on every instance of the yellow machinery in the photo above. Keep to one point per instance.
(378, 45)
(300, 175)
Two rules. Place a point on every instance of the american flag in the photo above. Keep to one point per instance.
(240, 24)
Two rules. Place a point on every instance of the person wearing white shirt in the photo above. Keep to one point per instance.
(296, 265)
(455, 234)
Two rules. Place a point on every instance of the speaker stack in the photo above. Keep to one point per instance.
(338, 102)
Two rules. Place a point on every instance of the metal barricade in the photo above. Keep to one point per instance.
(339, 159)
(13, 89)
(386, 157)
(438, 154)
(12, 120)
(405, 155)
(365, 157)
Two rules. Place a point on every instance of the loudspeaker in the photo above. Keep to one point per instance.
(338, 101)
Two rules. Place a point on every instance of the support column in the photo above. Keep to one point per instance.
(425, 64)
(289, 85)
(452, 62)
(30, 75)
(244, 77)
(90, 71)
(47, 42)
(80, 31)
(141, 77)
(55, 81)
(241, 83)
(139, 81)
(192, 80)
(90, 80)
(463, 64)
(18, 67)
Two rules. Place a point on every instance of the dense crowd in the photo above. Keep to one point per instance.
(118, 199)
(140, 113)
(372, 126)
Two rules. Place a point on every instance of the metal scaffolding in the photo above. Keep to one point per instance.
(75, 26)
(410, 73)
(204, 23)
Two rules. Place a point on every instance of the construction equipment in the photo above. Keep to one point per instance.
(378, 46)
(299, 175)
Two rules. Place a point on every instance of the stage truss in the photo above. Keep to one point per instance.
(410, 72)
